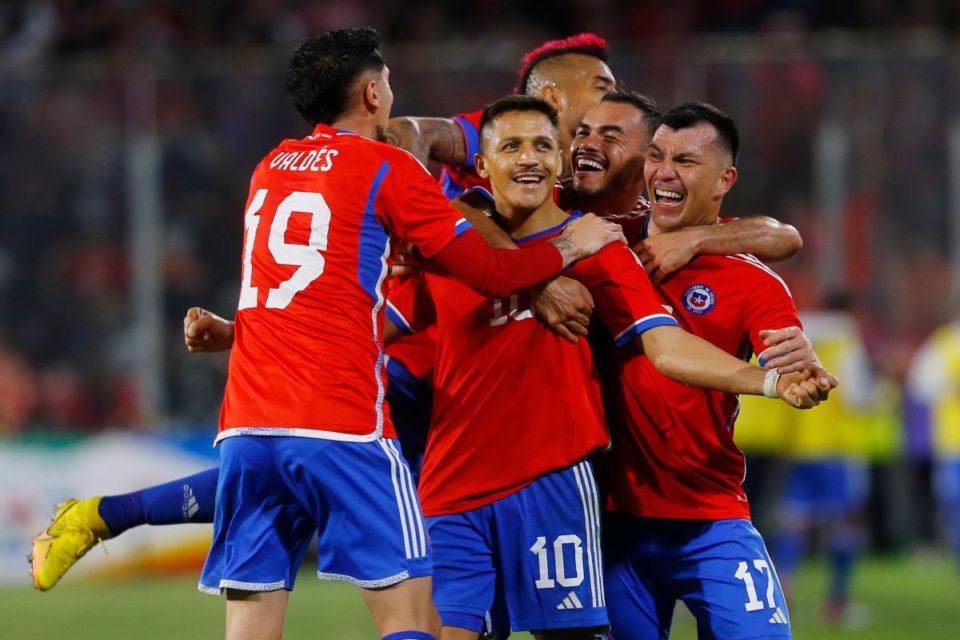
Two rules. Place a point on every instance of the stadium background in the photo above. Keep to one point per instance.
(129, 130)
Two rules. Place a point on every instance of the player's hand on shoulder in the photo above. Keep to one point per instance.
(665, 253)
(564, 306)
(207, 332)
(590, 233)
(788, 350)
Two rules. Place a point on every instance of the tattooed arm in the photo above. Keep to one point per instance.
(438, 139)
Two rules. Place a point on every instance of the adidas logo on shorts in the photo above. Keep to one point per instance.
(190, 504)
(779, 617)
(570, 602)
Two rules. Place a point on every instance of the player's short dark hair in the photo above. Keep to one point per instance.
(644, 104)
(510, 104)
(690, 114)
(589, 44)
(324, 68)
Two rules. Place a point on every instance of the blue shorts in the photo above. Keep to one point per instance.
(275, 493)
(720, 569)
(825, 488)
(535, 552)
(946, 481)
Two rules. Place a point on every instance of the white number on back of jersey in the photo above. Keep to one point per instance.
(307, 257)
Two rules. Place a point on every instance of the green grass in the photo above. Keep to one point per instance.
(911, 599)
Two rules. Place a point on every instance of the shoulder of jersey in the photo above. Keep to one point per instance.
(391, 152)
(754, 267)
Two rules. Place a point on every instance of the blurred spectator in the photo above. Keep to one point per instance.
(935, 382)
(827, 482)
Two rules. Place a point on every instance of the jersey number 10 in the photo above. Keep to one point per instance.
(306, 257)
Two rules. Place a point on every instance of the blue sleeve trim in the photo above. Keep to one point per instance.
(539, 234)
(374, 241)
(450, 187)
(462, 226)
(645, 324)
(472, 137)
(397, 318)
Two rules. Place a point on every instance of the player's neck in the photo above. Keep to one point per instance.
(360, 124)
(521, 223)
(653, 229)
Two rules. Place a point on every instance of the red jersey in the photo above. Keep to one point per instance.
(307, 357)
(674, 454)
(454, 180)
(512, 400)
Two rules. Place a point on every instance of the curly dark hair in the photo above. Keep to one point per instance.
(324, 68)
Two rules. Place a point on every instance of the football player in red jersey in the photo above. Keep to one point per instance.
(677, 520)
(474, 517)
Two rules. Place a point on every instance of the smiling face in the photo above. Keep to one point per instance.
(687, 173)
(608, 150)
(520, 154)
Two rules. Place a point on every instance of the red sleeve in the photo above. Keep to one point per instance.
(409, 305)
(496, 273)
(771, 304)
(414, 208)
(625, 298)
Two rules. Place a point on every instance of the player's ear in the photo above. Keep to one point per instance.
(551, 93)
(371, 95)
(481, 166)
(727, 178)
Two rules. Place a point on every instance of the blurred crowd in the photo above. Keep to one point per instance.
(33, 28)
(66, 120)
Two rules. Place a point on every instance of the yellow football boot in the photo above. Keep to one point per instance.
(76, 527)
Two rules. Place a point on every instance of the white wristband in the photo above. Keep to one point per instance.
(770, 382)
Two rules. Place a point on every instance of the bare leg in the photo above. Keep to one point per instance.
(405, 606)
(256, 615)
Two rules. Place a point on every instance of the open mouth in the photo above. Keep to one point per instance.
(529, 178)
(586, 163)
(668, 197)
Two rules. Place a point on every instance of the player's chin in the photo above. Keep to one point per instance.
(588, 183)
(528, 197)
(666, 220)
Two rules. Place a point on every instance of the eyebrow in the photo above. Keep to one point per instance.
(608, 128)
(606, 79)
(539, 138)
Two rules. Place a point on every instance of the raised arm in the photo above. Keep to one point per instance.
(691, 360)
(438, 139)
(767, 238)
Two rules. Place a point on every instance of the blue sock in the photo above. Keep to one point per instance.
(843, 553)
(788, 551)
(409, 635)
(189, 499)
(953, 528)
